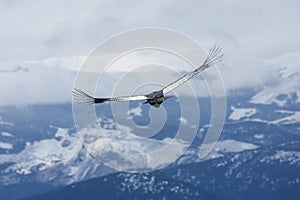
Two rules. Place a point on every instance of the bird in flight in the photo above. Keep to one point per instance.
(157, 97)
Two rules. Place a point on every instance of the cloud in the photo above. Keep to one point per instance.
(67, 28)
(251, 34)
(36, 85)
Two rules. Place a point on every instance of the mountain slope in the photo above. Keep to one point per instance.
(284, 92)
(154, 185)
(256, 154)
(270, 173)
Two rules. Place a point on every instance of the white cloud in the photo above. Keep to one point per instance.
(250, 33)
(252, 29)
(36, 85)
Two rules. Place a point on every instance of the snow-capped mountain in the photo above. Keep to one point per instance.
(254, 174)
(258, 149)
(285, 91)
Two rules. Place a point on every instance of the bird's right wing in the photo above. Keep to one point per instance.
(83, 97)
(214, 56)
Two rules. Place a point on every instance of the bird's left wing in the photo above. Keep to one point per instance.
(213, 57)
(83, 97)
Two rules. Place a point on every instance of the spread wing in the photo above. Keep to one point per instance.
(214, 56)
(83, 97)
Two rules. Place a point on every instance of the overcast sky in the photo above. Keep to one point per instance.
(48, 38)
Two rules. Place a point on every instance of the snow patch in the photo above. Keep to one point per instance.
(46, 153)
(220, 148)
(182, 120)
(293, 118)
(6, 134)
(244, 114)
(239, 113)
(2, 122)
(233, 146)
(291, 157)
(259, 136)
(5, 145)
(135, 111)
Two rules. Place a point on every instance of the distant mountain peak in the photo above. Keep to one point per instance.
(283, 92)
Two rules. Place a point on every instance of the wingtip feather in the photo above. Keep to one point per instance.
(214, 55)
(82, 97)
